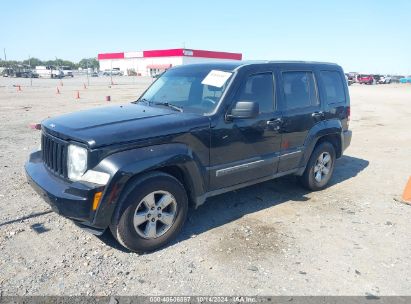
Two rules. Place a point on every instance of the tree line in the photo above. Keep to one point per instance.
(33, 62)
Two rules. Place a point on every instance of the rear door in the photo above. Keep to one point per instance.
(301, 111)
(334, 93)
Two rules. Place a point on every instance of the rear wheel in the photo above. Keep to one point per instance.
(151, 213)
(320, 167)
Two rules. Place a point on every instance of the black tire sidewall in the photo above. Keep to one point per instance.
(309, 180)
(123, 223)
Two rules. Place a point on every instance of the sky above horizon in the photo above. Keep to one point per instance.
(363, 36)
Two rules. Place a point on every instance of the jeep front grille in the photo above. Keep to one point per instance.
(54, 152)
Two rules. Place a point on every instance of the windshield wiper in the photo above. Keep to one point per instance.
(170, 105)
(142, 100)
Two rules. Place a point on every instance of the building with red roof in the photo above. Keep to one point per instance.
(153, 62)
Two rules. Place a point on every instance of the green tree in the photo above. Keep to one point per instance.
(89, 62)
(33, 62)
(9, 63)
(84, 63)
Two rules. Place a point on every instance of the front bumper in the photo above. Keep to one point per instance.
(69, 199)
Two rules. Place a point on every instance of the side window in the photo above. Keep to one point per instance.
(299, 90)
(333, 86)
(259, 88)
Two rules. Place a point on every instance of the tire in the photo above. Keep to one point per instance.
(136, 200)
(309, 178)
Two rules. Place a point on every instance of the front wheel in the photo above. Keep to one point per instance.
(151, 213)
(320, 167)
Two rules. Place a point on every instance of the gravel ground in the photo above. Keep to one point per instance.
(275, 238)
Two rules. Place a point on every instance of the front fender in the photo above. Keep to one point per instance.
(123, 166)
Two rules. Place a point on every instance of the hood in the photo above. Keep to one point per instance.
(121, 124)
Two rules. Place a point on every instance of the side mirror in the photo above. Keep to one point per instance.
(244, 109)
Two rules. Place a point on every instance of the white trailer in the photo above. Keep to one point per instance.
(49, 72)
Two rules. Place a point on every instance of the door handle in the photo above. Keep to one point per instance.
(318, 115)
(275, 123)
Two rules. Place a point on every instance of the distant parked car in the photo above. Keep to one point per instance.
(33, 74)
(406, 79)
(396, 78)
(67, 71)
(7, 72)
(365, 79)
(29, 74)
(19, 71)
(384, 79)
(349, 79)
(94, 74)
(114, 72)
(377, 78)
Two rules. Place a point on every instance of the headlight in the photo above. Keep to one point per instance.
(76, 162)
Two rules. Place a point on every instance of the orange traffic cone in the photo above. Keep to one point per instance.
(57, 90)
(18, 88)
(35, 126)
(78, 95)
(406, 196)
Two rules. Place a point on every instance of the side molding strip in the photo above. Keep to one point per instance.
(291, 153)
(229, 170)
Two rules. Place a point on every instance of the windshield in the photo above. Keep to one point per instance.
(188, 89)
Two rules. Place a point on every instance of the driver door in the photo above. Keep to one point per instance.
(247, 149)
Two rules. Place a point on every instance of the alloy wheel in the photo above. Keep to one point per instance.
(155, 214)
(322, 166)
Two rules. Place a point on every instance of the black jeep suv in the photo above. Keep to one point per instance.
(197, 131)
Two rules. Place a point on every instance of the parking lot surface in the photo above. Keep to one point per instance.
(352, 238)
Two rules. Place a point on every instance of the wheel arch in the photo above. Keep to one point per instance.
(335, 140)
(130, 166)
(326, 131)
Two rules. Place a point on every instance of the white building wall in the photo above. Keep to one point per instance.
(139, 64)
(190, 60)
(108, 64)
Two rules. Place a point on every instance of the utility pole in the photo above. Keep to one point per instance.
(88, 81)
(31, 72)
(57, 65)
(111, 72)
(5, 58)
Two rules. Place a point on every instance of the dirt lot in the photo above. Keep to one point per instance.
(353, 238)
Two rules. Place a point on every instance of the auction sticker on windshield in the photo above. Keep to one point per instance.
(216, 78)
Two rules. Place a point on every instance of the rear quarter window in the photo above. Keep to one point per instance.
(333, 87)
(299, 89)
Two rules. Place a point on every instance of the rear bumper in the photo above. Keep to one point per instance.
(346, 138)
(69, 199)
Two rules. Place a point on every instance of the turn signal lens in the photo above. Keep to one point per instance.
(96, 200)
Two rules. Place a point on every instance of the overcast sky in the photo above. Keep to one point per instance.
(364, 36)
